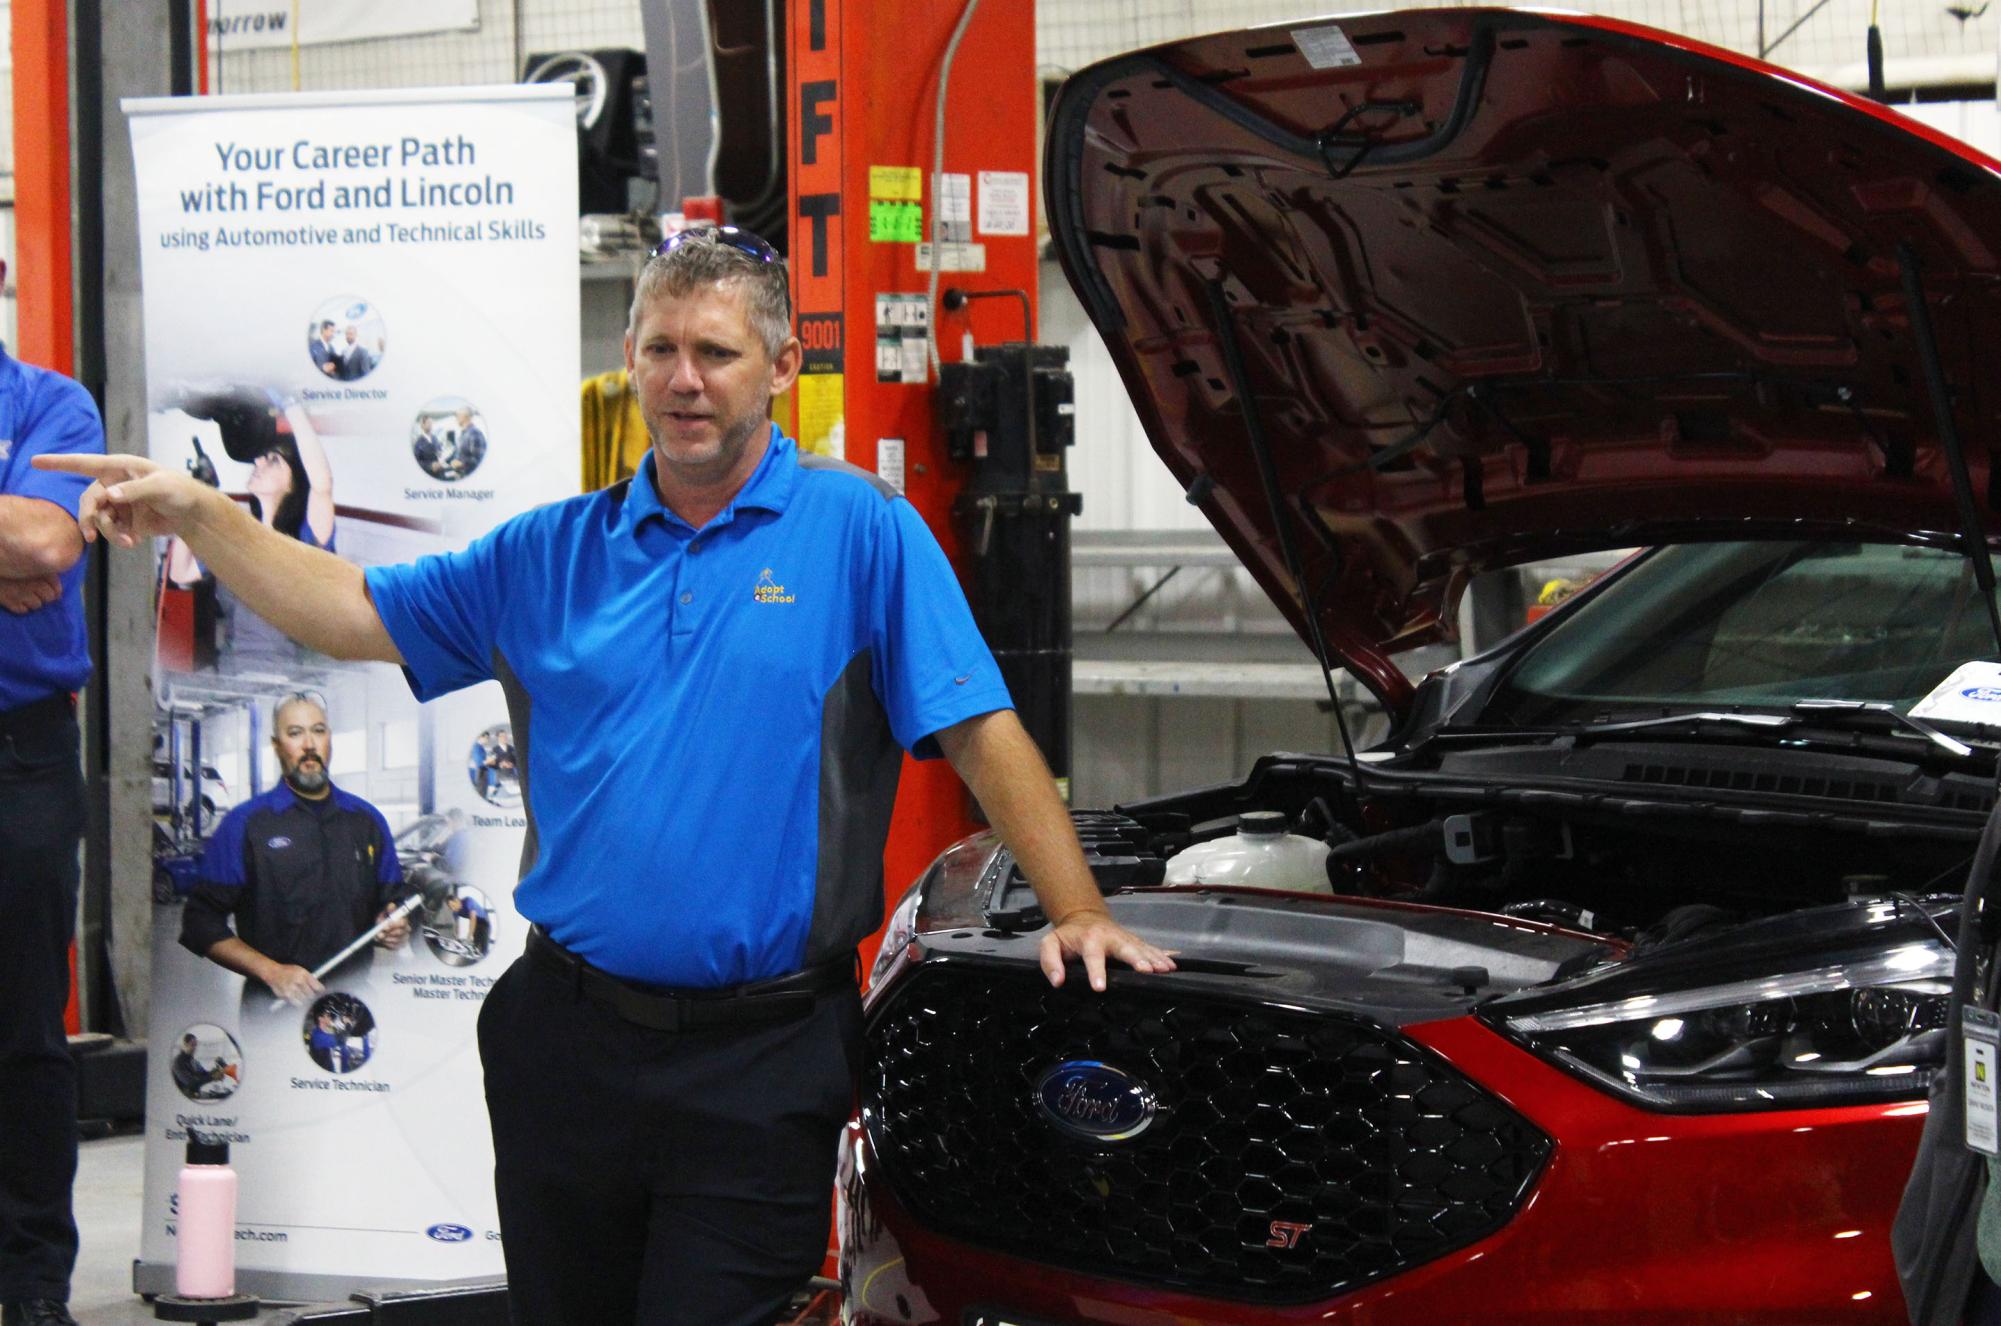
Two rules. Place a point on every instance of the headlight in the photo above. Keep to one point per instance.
(896, 936)
(1846, 1034)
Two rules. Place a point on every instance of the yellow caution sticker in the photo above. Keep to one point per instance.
(821, 414)
(893, 183)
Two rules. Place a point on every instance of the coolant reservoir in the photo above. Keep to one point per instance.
(1259, 855)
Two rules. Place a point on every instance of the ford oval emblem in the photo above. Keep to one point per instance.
(1094, 1100)
(449, 1233)
(1985, 694)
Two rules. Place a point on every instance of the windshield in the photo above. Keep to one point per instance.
(1761, 625)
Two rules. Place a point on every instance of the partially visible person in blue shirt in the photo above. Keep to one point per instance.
(41, 551)
(44, 659)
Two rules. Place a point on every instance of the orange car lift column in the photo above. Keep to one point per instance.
(863, 81)
(45, 315)
(42, 273)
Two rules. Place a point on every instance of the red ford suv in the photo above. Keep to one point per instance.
(1609, 987)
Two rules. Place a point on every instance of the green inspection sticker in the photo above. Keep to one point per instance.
(895, 222)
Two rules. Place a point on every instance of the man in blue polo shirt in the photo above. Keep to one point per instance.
(44, 658)
(712, 671)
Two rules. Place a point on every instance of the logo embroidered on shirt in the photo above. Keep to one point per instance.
(278, 844)
(6, 447)
(768, 590)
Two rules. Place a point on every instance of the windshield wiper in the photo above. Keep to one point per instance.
(1826, 708)
(1817, 711)
(1768, 721)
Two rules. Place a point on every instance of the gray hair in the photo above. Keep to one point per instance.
(704, 259)
(313, 698)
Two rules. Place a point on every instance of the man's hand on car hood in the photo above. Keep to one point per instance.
(1091, 934)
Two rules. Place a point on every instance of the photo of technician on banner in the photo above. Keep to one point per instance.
(361, 319)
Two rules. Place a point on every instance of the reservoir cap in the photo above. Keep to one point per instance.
(1261, 823)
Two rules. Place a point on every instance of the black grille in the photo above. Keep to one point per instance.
(1265, 1115)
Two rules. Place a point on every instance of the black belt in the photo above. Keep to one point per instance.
(38, 715)
(781, 999)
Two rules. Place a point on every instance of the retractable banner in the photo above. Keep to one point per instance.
(361, 317)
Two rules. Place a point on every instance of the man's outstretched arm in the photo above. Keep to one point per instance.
(312, 596)
(1005, 771)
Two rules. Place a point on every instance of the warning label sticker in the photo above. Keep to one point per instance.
(892, 183)
(953, 198)
(954, 257)
(821, 414)
(1325, 47)
(1003, 202)
(889, 461)
(902, 338)
(894, 222)
(895, 204)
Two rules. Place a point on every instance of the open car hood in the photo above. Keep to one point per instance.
(1486, 286)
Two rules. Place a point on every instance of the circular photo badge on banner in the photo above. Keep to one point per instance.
(207, 1063)
(448, 438)
(346, 339)
(491, 766)
(339, 1032)
(459, 930)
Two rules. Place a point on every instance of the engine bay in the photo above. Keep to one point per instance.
(1637, 843)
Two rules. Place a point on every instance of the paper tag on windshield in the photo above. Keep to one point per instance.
(1982, 1032)
(1972, 694)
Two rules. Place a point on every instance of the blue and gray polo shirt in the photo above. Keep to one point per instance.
(709, 722)
(45, 652)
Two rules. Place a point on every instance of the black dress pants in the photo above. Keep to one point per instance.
(660, 1178)
(41, 823)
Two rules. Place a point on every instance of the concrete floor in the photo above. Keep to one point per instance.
(110, 1183)
(110, 1191)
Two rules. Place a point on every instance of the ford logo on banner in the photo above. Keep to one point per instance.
(1984, 694)
(1094, 1100)
(450, 1233)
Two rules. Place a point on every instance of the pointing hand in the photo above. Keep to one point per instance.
(132, 498)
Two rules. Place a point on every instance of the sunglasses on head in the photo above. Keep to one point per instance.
(743, 241)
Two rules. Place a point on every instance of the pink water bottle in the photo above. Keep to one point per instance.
(205, 1262)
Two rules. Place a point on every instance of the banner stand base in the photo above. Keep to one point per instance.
(331, 1298)
(206, 1311)
(468, 1305)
